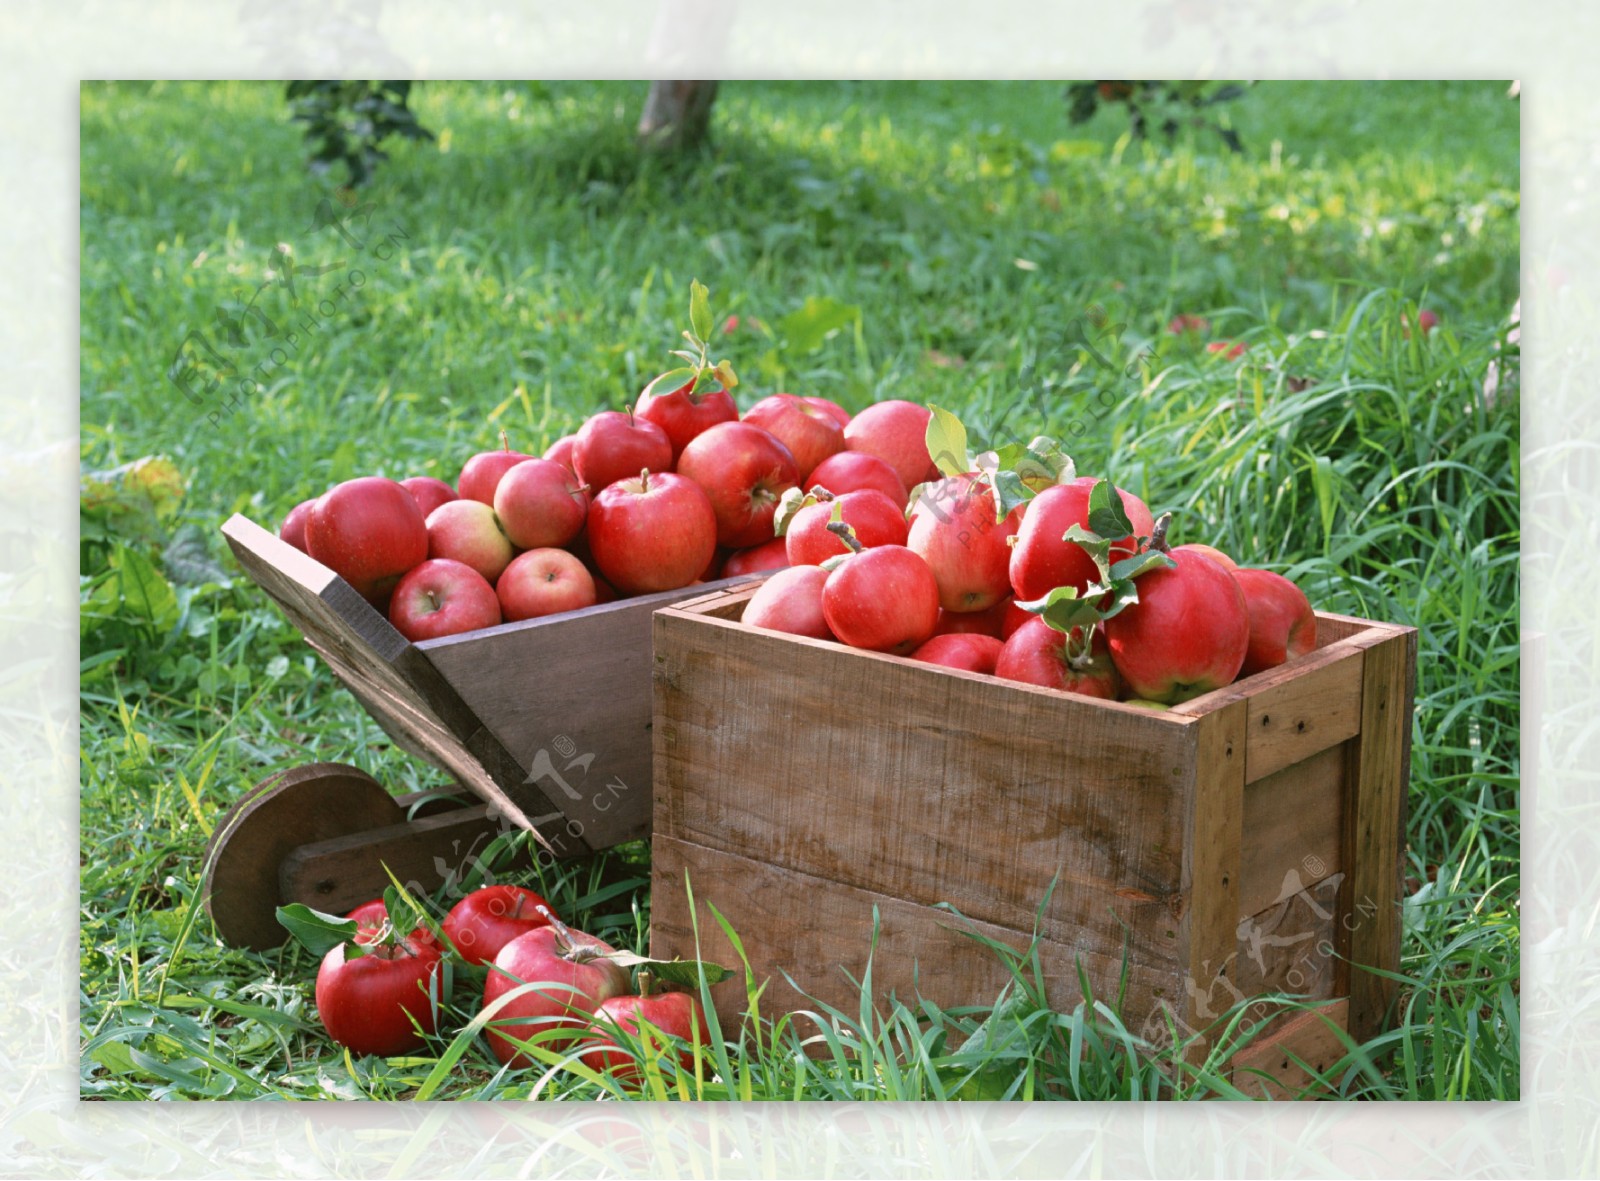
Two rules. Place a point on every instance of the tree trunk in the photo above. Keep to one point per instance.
(677, 115)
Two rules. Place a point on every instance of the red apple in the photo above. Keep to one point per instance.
(1187, 635)
(884, 599)
(614, 446)
(809, 432)
(429, 492)
(293, 529)
(370, 918)
(544, 582)
(480, 475)
(1211, 552)
(1042, 560)
(852, 471)
(676, 1014)
(1038, 654)
(713, 570)
(769, 555)
(489, 918)
(1013, 618)
(686, 412)
(871, 514)
(744, 471)
(990, 621)
(897, 433)
(1427, 321)
(834, 411)
(1282, 623)
(1185, 322)
(468, 531)
(652, 533)
(369, 531)
(375, 1003)
(561, 452)
(540, 503)
(563, 975)
(791, 601)
(1232, 349)
(969, 651)
(442, 598)
(954, 529)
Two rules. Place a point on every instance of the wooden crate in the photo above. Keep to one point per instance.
(1244, 842)
(547, 720)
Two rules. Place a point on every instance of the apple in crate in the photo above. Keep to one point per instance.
(1211, 552)
(809, 432)
(964, 650)
(551, 979)
(769, 555)
(540, 503)
(791, 601)
(442, 598)
(744, 471)
(468, 531)
(686, 412)
(480, 475)
(429, 492)
(1038, 654)
(897, 433)
(884, 599)
(872, 515)
(652, 533)
(487, 919)
(989, 622)
(1043, 559)
(832, 409)
(676, 1014)
(852, 471)
(561, 452)
(543, 582)
(293, 529)
(369, 531)
(953, 527)
(614, 446)
(1188, 634)
(1282, 623)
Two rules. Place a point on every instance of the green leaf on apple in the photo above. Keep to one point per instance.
(315, 930)
(723, 372)
(1107, 516)
(947, 443)
(1141, 563)
(700, 310)
(683, 972)
(1097, 547)
(672, 378)
(1064, 609)
(790, 503)
(1113, 595)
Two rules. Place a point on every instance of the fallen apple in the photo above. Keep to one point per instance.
(488, 918)
(549, 981)
(644, 1019)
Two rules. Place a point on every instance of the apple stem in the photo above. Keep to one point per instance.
(646, 982)
(505, 442)
(1158, 535)
(563, 932)
(629, 409)
(820, 493)
(842, 530)
(644, 479)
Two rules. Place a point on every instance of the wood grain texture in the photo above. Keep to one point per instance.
(1292, 828)
(819, 933)
(1288, 946)
(1378, 774)
(1268, 1069)
(923, 783)
(1212, 868)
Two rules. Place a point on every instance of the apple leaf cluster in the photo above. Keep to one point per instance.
(697, 356)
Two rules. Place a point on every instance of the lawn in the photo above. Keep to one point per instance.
(982, 254)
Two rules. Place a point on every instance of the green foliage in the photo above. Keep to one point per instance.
(347, 121)
(1166, 106)
(545, 266)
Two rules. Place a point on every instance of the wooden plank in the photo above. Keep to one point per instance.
(1267, 1069)
(569, 700)
(819, 934)
(1297, 716)
(1288, 946)
(1292, 829)
(1212, 869)
(923, 783)
(1378, 773)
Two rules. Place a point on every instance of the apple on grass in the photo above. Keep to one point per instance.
(686, 412)
(1043, 559)
(540, 503)
(791, 601)
(543, 582)
(810, 432)
(953, 527)
(872, 515)
(369, 531)
(293, 529)
(897, 433)
(769, 555)
(1078, 661)
(480, 475)
(429, 491)
(490, 917)
(971, 651)
(883, 599)
(652, 533)
(544, 986)
(1188, 634)
(1282, 623)
(744, 471)
(442, 598)
(468, 531)
(852, 471)
(624, 1022)
(614, 446)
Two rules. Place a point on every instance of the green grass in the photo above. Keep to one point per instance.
(540, 272)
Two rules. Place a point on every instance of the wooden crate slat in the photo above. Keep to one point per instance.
(1267, 1069)
(1288, 946)
(1292, 825)
(1212, 866)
